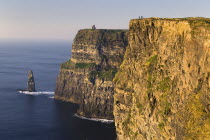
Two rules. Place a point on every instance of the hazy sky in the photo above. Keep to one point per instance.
(61, 19)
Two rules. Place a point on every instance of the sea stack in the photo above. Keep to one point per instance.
(31, 82)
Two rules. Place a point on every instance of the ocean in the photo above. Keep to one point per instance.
(38, 116)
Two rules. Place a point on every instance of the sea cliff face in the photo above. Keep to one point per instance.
(162, 87)
(86, 79)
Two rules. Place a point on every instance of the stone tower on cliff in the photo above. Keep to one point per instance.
(93, 27)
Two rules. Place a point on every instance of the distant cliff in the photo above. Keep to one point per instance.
(86, 78)
(162, 87)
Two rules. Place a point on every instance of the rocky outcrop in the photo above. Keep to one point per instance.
(162, 87)
(31, 82)
(86, 79)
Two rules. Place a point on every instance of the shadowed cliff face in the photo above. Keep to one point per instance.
(86, 78)
(162, 87)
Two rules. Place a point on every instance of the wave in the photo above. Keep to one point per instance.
(51, 97)
(37, 92)
(95, 119)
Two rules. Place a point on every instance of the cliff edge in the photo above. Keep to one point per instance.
(162, 87)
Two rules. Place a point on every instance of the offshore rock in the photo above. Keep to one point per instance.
(31, 82)
(86, 79)
(162, 87)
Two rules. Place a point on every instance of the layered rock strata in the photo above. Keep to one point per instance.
(86, 79)
(162, 87)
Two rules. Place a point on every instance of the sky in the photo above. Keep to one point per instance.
(61, 19)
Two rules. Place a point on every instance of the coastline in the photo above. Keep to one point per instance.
(94, 119)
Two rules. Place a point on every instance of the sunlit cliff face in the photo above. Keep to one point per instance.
(162, 87)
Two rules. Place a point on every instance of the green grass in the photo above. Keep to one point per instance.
(165, 105)
(106, 75)
(161, 125)
(139, 106)
(66, 65)
(164, 85)
(84, 65)
(197, 24)
(152, 59)
(151, 64)
(167, 109)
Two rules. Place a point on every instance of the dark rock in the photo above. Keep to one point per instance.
(31, 82)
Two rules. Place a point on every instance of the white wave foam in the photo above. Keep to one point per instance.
(95, 119)
(51, 97)
(37, 93)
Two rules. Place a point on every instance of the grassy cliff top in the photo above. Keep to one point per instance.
(194, 22)
(176, 19)
(104, 30)
(93, 36)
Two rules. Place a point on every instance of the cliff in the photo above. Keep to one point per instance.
(162, 86)
(86, 79)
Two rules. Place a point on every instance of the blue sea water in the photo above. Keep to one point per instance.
(39, 116)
